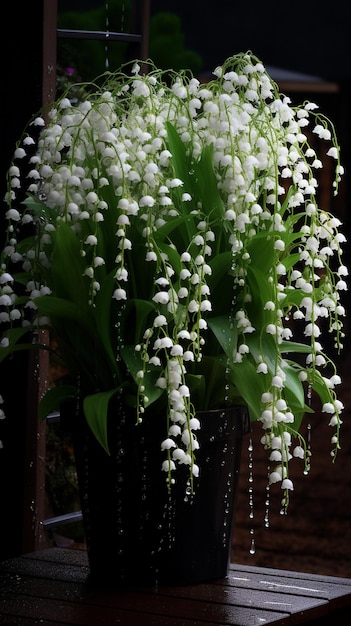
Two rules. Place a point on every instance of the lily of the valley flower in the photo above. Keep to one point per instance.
(179, 237)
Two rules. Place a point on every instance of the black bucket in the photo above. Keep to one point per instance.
(139, 533)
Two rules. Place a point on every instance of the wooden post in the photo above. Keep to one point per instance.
(34, 535)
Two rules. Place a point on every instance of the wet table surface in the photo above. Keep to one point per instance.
(52, 587)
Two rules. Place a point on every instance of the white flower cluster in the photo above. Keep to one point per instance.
(107, 167)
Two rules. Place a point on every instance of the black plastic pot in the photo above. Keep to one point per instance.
(137, 533)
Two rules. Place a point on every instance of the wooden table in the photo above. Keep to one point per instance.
(51, 587)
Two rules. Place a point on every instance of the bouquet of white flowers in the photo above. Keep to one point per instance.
(172, 241)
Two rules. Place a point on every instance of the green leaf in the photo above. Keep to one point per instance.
(173, 256)
(102, 312)
(134, 364)
(264, 345)
(210, 386)
(221, 283)
(207, 185)
(77, 333)
(68, 266)
(55, 307)
(136, 314)
(220, 265)
(262, 253)
(226, 333)
(40, 209)
(95, 409)
(53, 398)
(295, 346)
(14, 335)
(293, 386)
(162, 233)
(197, 175)
(320, 387)
(181, 158)
(290, 260)
(251, 385)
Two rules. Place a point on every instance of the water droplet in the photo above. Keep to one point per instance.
(309, 393)
(250, 491)
(252, 547)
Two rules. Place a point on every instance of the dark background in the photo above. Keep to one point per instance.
(301, 37)
(306, 37)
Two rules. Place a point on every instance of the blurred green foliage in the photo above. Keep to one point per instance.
(90, 58)
(167, 44)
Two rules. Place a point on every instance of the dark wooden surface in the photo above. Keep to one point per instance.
(52, 587)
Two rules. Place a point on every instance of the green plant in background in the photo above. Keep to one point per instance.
(87, 56)
(179, 256)
(166, 41)
(167, 45)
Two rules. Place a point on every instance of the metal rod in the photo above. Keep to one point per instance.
(67, 33)
(62, 520)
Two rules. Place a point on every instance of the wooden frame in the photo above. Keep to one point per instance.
(33, 534)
